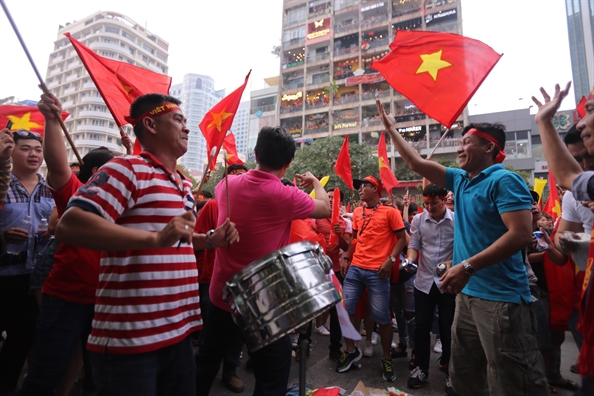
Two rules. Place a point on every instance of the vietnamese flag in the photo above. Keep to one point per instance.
(342, 167)
(27, 118)
(218, 120)
(581, 107)
(348, 207)
(553, 205)
(438, 72)
(388, 179)
(231, 149)
(119, 83)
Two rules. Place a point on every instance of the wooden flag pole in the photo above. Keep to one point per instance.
(206, 169)
(41, 82)
(227, 189)
(437, 145)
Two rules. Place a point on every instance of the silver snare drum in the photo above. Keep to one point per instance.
(280, 292)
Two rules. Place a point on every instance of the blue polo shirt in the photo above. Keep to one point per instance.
(478, 205)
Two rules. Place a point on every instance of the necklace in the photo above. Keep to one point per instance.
(365, 223)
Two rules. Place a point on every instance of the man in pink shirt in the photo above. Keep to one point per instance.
(262, 209)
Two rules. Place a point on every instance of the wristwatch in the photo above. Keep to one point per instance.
(208, 241)
(468, 268)
(392, 259)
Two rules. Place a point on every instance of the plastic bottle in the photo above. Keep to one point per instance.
(41, 230)
(16, 248)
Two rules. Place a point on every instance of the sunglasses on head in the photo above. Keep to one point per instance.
(28, 134)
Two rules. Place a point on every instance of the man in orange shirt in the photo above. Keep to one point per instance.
(379, 237)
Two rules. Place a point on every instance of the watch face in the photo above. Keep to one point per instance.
(469, 269)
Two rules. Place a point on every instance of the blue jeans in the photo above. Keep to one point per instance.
(272, 364)
(167, 371)
(378, 291)
(61, 326)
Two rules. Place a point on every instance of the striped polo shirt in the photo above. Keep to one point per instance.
(147, 299)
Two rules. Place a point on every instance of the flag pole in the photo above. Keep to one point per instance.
(41, 82)
(437, 145)
(206, 169)
(227, 189)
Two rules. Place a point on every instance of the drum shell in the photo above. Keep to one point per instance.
(280, 292)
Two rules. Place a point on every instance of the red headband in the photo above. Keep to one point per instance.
(483, 135)
(157, 111)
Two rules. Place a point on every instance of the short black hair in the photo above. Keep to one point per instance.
(23, 134)
(287, 182)
(147, 102)
(433, 190)
(275, 148)
(573, 136)
(496, 130)
(235, 167)
(204, 193)
(413, 208)
(94, 159)
(340, 194)
(74, 164)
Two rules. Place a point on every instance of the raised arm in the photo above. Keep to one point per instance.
(322, 209)
(426, 168)
(560, 161)
(6, 148)
(54, 150)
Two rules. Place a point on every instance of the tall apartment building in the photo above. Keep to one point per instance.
(198, 96)
(240, 128)
(263, 112)
(327, 86)
(580, 24)
(112, 35)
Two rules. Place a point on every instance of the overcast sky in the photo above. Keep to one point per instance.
(225, 38)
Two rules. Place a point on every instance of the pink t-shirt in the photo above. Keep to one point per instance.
(262, 209)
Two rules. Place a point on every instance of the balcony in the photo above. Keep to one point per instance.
(320, 129)
(374, 20)
(289, 22)
(318, 81)
(371, 122)
(53, 84)
(318, 57)
(89, 84)
(55, 71)
(346, 28)
(376, 45)
(292, 86)
(263, 109)
(317, 105)
(70, 90)
(57, 59)
(95, 114)
(67, 104)
(293, 42)
(92, 99)
(291, 109)
(375, 94)
(80, 143)
(72, 77)
(410, 117)
(317, 14)
(108, 46)
(101, 129)
(74, 64)
(346, 99)
(291, 65)
(346, 51)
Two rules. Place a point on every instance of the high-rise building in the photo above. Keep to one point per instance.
(263, 112)
(580, 23)
(240, 127)
(198, 96)
(111, 35)
(327, 85)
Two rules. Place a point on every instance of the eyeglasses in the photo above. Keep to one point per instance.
(28, 134)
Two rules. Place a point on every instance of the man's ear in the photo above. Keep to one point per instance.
(149, 125)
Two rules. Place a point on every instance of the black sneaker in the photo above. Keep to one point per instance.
(417, 378)
(388, 370)
(347, 359)
(335, 355)
(449, 391)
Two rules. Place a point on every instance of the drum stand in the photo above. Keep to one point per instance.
(303, 346)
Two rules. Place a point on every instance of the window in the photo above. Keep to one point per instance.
(161, 56)
(98, 122)
(109, 139)
(517, 145)
(88, 22)
(94, 136)
(110, 29)
(145, 58)
(127, 35)
(149, 49)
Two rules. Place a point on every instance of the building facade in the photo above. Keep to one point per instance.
(240, 128)
(580, 25)
(198, 96)
(263, 112)
(111, 35)
(327, 85)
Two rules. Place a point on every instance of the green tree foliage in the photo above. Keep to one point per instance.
(523, 174)
(320, 156)
(187, 174)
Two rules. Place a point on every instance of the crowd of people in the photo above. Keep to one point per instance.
(129, 275)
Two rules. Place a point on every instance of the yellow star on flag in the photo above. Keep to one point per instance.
(382, 164)
(125, 87)
(217, 119)
(557, 208)
(23, 122)
(432, 63)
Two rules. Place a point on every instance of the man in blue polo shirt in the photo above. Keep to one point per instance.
(493, 338)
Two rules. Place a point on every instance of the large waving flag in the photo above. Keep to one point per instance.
(27, 118)
(388, 178)
(218, 120)
(119, 83)
(342, 167)
(553, 205)
(438, 72)
(231, 149)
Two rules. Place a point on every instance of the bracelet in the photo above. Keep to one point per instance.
(209, 243)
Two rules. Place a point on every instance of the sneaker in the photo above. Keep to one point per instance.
(449, 391)
(368, 350)
(437, 347)
(374, 337)
(335, 355)
(417, 378)
(321, 331)
(394, 325)
(233, 383)
(393, 345)
(295, 340)
(347, 359)
(388, 370)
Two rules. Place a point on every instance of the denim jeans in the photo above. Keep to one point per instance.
(425, 312)
(272, 364)
(61, 326)
(168, 371)
(378, 289)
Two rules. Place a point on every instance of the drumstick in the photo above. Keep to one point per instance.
(227, 189)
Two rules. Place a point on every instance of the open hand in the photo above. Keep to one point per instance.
(306, 179)
(547, 110)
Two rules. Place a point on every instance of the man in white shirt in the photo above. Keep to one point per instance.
(431, 243)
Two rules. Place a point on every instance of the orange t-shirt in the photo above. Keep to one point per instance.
(375, 235)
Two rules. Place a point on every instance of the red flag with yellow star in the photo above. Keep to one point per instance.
(388, 178)
(119, 83)
(438, 72)
(218, 120)
(342, 167)
(231, 149)
(27, 118)
(553, 205)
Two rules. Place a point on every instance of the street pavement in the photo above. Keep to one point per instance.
(321, 371)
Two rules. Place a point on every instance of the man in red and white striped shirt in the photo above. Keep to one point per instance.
(136, 209)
